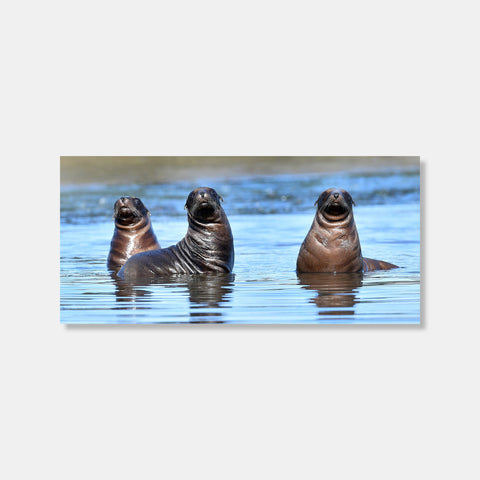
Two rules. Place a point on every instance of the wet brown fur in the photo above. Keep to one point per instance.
(332, 243)
(133, 232)
(206, 247)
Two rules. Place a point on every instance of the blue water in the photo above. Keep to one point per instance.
(269, 217)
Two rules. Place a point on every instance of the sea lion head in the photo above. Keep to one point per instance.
(129, 211)
(203, 204)
(334, 205)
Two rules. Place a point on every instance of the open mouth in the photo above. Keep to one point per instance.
(336, 209)
(205, 209)
(124, 212)
(127, 215)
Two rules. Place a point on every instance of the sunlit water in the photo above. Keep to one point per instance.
(269, 216)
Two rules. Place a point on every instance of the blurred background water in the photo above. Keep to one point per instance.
(270, 210)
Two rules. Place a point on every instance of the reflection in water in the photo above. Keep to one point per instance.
(130, 294)
(336, 292)
(207, 293)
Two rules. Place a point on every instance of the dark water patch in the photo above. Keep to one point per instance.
(263, 195)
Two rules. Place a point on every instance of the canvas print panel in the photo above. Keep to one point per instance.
(247, 240)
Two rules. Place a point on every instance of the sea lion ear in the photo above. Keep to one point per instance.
(348, 197)
(220, 197)
(319, 200)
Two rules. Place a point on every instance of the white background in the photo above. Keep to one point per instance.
(239, 78)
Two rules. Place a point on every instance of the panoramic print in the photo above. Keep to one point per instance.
(240, 240)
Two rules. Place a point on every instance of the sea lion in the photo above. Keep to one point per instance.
(332, 243)
(206, 247)
(133, 232)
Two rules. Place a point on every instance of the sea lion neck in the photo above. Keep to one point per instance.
(210, 222)
(328, 223)
(212, 241)
(132, 222)
(204, 233)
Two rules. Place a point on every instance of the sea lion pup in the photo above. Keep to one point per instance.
(332, 244)
(206, 247)
(133, 232)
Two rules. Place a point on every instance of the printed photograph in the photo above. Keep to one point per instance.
(240, 240)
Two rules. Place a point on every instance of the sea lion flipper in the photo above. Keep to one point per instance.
(370, 264)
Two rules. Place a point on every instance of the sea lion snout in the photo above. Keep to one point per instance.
(204, 197)
(333, 194)
(121, 205)
(120, 208)
(124, 201)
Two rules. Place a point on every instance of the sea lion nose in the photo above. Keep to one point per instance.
(335, 195)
